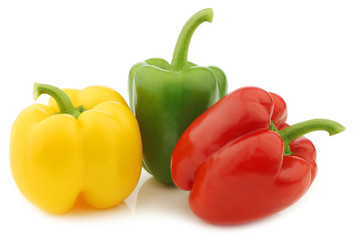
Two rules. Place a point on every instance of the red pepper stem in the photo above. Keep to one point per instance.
(297, 130)
(180, 55)
(61, 98)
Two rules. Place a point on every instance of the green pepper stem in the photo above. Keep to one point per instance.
(61, 98)
(295, 131)
(180, 55)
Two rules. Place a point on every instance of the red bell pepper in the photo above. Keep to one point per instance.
(238, 166)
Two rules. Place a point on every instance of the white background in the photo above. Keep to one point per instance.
(306, 51)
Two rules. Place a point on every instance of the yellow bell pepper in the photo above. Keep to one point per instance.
(60, 154)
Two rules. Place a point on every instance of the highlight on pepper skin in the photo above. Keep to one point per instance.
(60, 153)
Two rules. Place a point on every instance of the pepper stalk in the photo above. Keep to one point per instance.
(297, 130)
(61, 98)
(180, 55)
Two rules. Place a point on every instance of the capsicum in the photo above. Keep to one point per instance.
(242, 162)
(60, 154)
(166, 98)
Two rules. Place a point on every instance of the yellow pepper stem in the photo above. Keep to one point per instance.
(61, 98)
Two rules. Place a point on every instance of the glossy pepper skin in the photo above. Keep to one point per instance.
(166, 98)
(238, 166)
(92, 152)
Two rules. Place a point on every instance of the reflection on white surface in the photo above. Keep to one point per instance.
(149, 196)
(152, 196)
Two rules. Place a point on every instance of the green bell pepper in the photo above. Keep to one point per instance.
(166, 98)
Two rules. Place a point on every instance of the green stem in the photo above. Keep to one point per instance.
(287, 150)
(295, 131)
(61, 98)
(179, 59)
